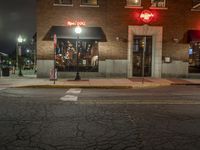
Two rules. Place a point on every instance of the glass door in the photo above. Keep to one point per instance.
(142, 56)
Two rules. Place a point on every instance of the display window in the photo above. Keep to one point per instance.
(66, 55)
(194, 57)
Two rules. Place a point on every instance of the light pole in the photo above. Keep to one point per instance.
(20, 40)
(78, 31)
(28, 57)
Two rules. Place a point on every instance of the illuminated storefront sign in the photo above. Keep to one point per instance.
(76, 23)
(146, 16)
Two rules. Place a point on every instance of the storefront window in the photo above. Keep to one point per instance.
(64, 2)
(133, 2)
(66, 56)
(194, 57)
(89, 2)
(158, 3)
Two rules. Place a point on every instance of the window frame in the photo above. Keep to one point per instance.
(157, 7)
(129, 5)
(63, 4)
(129, 1)
(89, 5)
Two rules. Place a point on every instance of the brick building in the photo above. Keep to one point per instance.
(122, 38)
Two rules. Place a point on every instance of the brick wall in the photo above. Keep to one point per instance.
(114, 19)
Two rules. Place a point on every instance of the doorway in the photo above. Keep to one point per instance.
(142, 56)
(156, 32)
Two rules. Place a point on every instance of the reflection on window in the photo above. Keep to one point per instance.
(89, 2)
(66, 56)
(133, 2)
(194, 57)
(158, 3)
(64, 2)
(138, 44)
(142, 54)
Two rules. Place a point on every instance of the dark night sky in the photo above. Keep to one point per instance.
(16, 17)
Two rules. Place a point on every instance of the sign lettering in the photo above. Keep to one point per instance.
(76, 23)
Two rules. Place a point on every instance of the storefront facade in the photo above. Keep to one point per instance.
(120, 38)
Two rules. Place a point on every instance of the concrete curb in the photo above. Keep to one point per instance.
(185, 83)
(74, 86)
(134, 86)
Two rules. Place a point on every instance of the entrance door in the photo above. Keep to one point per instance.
(142, 56)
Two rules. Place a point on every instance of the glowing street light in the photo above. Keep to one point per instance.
(20, 40)
(78, 31)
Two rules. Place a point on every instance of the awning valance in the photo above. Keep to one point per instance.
(88, 33)
(193, 36)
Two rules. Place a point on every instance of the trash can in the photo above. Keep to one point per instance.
(5, 72)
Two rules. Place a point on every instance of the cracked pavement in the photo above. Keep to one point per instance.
(42, 122)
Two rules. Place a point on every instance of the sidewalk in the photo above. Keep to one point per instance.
(31, 81)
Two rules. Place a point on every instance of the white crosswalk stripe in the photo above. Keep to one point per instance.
(2, 88)
(69, 98)
(74, 91)
(72, 95)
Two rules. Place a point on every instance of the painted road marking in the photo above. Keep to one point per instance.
(139, 102)
(74, 91)
(2, 89)
(69, 98)
(71, 95)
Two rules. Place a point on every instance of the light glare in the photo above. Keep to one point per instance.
(78, 30)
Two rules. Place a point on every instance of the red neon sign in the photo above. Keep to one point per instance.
(146, 16)
(76, 23)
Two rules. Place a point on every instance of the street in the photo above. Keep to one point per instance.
(162, 118)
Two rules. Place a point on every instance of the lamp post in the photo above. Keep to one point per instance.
(20, 40)
(78, 31)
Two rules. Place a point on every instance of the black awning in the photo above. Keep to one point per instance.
(88, 33)
(193, 36)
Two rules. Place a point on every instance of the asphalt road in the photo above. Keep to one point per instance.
(165, 118)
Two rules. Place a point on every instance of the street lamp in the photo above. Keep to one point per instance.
(78, 31)
(20, 40)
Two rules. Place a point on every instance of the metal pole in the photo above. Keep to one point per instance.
(17, 60)
(77, 61)
(54, 55)
(35, 60)
(143, 59)
(1, 65)
(20, 60)
(54, 68)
